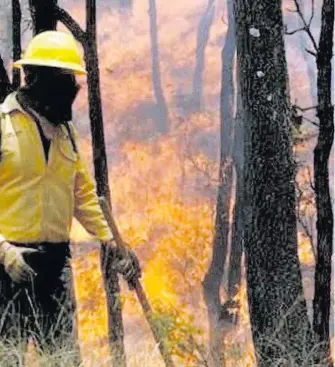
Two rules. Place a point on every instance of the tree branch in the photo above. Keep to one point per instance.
(309, 234)
(311, 122)
(64, 17)
(304, 108)
(312, 14)
(311, 52)
(289, 33)
(306, 25)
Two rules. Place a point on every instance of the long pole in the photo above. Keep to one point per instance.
(162, 345)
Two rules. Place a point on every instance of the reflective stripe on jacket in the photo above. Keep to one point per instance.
(39, 198)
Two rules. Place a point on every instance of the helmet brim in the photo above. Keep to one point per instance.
(77, 69)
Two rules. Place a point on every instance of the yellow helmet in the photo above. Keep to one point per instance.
(55, 49)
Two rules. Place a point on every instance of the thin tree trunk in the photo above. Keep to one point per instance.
(5, 85)
(213, 279)
(116, 332)
(163, 115)
(89, 41)
(202, 40)
(324, 224)
(16, 23)
(43, 15)
(278, 311)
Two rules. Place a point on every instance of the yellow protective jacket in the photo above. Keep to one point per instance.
(39, 198)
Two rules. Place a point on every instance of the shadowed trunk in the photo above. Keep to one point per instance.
(5, 85)
(202, 40)
(325, 221)
(163, 115)
(116, 332)
(16, 17)
(89, 41)
(213, 279)
(278, 312)
(43, 15)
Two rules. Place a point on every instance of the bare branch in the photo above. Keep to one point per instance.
(289, 33)
(311, 122)
(311, 52)
(202, 170)
(312, 14)
(64, 17)
(309, 234)
(304, 108)
(306, 26)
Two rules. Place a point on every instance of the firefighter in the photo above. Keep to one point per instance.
(44, 183)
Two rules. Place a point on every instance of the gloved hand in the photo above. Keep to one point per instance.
(12, 257)
(125, 262)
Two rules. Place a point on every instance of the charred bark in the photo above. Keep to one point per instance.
(278, 312)
(43, 14)
(5, 85)
(325, 221)
(163, 114)
(202, 40)
(214, 277)
(16, 21)
(116, 332)
(88, 39)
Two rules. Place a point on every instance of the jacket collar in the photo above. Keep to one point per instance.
(11, 104)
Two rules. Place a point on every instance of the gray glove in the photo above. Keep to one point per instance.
(128, 265)
(125, 262)
(12, 258)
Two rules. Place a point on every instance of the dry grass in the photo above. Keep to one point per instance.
(14, 355)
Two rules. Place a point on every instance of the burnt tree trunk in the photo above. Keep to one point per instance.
(116, 332)
(214, 277)
(278, 313)
(89, 41)
(162, 109)
(202, 39)
(43, 15)
(5, 85)
(16, 23)
(325, 221)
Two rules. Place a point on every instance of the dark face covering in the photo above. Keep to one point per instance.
(50, 92)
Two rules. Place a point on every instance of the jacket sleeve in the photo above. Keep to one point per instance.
(87, 209)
